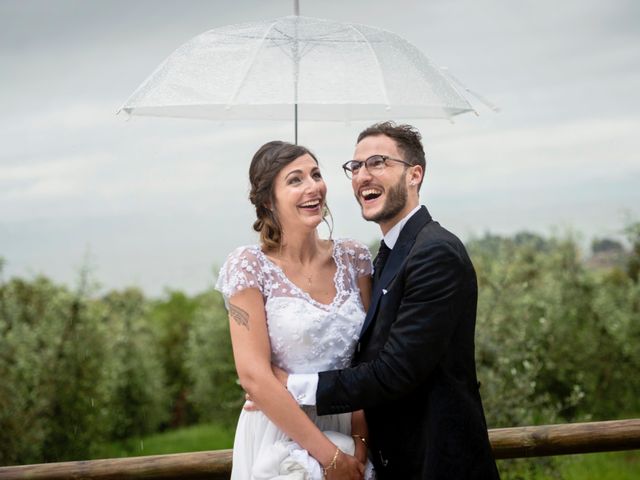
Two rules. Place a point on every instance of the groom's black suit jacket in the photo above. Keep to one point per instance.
(414, 369)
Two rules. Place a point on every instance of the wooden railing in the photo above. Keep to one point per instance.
(518, 442)
(565, 439)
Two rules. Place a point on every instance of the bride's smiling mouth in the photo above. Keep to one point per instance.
(311, 205)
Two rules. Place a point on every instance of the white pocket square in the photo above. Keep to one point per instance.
(384, 291)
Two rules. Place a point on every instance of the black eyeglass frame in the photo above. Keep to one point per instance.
(348, 171)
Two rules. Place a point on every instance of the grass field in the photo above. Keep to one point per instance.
(601, 466)
(594, 466)
(190, 439)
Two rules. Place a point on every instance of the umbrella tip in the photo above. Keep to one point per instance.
(126, 110)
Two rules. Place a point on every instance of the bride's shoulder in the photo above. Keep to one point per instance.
(244, 255)
(356, 255)
(353, 248)
(242, 269)
(245, 250)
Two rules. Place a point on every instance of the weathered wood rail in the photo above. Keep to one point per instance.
(565, 439)
(517, 442)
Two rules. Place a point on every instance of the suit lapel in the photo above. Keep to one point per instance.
(399, 252)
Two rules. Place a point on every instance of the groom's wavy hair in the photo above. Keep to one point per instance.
(407, 138)
(265, 166)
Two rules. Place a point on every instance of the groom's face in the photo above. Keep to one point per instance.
(382, 196)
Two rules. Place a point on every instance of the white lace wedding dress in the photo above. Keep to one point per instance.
(306, 337)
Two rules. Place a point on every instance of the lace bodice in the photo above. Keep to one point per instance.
(306, 336)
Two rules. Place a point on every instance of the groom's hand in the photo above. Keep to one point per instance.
(249, 406)
(347, 467)
(280, 374)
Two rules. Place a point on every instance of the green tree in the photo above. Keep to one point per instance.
(172, 318)
(209, 361)
(632, 232)
(140, 400)
(52, 352)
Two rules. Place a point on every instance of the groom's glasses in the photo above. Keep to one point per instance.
(374, 165)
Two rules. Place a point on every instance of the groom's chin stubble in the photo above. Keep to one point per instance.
(362, 211)
(361, 207)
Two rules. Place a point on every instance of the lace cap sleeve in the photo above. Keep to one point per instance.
(240, 271)
(359, 257)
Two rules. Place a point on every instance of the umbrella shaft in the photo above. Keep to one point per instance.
(296, 12)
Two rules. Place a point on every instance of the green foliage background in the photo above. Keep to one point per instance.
(556, 341)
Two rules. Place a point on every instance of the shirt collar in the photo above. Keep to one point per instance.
(392, 235)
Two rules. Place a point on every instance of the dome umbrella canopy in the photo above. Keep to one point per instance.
(329, 70)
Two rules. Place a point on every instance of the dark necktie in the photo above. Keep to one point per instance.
(381, 259)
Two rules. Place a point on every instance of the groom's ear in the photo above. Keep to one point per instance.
(416, 175)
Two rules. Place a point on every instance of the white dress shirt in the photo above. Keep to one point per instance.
(303, 386)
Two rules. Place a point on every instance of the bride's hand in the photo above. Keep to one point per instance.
(347, 467)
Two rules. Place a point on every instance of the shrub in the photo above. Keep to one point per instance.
(209, 361)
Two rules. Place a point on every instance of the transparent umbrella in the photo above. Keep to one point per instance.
(298, 66)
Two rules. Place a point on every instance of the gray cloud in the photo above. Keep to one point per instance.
(158, 201)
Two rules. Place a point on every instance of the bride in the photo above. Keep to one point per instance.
(299, 302)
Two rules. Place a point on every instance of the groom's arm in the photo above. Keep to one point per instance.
(302, 386)
(436, 276)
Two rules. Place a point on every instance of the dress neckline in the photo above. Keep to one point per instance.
(304, 293)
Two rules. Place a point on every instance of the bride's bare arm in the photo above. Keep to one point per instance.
(252, 354)
(364, 285)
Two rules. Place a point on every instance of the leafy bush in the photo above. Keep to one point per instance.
(209, 361)
(53, 381)
(172, 318)
(557, 337)
(75, 372)
(556, 341)
(139, 398)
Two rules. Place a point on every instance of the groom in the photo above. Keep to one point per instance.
(413, 371)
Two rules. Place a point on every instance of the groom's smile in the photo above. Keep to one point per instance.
(371, 200)
(370, 194)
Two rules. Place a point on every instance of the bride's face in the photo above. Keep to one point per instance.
(300, 194)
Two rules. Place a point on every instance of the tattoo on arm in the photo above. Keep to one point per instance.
(240, 316)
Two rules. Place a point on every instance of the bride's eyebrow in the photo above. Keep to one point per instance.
(292, 172)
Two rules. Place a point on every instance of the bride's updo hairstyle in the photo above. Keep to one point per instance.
(265, 166)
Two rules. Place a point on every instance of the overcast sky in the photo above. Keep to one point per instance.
(159, 202)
